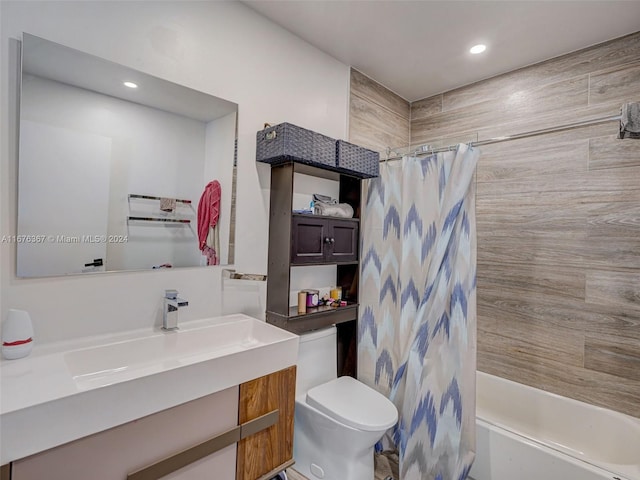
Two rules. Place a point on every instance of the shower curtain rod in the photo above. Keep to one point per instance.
(425, 150)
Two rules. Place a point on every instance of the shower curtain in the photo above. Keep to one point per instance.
(417, 328)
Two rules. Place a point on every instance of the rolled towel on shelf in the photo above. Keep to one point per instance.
(324, 199)
(167, 204)
(630, 121)
(343, 210)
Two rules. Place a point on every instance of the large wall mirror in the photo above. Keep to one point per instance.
(113, 164)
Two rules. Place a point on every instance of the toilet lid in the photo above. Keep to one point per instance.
(354, 404)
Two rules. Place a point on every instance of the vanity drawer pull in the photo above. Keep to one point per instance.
(186, 457)
(258, 424)
(195, 453)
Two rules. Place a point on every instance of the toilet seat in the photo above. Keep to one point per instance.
(354, 404)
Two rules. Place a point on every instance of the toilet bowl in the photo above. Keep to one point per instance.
(337, 420)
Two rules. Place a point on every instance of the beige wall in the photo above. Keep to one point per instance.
(558, 222)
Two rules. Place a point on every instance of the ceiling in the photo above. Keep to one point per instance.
(421, 48)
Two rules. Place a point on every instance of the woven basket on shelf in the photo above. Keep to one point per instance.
(286, 142)
(352, 158)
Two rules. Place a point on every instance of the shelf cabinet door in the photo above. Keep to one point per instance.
(323, 240)
(309, 240)
(343, 241)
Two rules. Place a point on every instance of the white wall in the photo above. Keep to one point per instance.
(64, 181)
(220, 48)
(149, 152)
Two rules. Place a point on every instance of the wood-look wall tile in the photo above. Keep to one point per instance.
(620, 219)
(552, 249)
(613, 355)
(426, 107)
(530, 210)
(612, 252)
(613, 185)
(554, 119)
(613, 235)
(523, 281)
(536, 341)
(365, 87)
(525, 362)
(544, 100)
(564, 246)
(557, 311)
(490, 199)
(557, 221)
(612, 152)
(376, 141)
(613, 288)
(597, 388)
(610, 320)
(371, 125)
(611, 54)
(505, 161)
(622, 84)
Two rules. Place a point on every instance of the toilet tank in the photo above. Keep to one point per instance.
(317, 359)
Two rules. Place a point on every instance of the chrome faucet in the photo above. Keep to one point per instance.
(170, 312)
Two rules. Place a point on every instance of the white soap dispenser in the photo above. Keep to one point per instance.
(17, 335)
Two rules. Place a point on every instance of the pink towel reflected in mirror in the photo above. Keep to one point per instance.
(208, 216)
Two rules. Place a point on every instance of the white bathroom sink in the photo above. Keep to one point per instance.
(204, 341)
(63, 392)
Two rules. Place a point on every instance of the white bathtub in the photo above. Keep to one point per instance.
(524, 433)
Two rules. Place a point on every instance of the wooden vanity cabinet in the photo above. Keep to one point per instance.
(244, 432)
(120, 452)
(262, 455)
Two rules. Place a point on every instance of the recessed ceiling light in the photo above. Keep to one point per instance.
(478, 48)
(130, 85)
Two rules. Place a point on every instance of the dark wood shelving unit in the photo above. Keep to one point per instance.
(311, 311)
(326, 217)
(354, 262)
(315, 318)
(289, 247)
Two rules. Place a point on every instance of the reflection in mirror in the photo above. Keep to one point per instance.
(113, 164)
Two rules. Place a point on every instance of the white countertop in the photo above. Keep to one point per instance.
(65, 391)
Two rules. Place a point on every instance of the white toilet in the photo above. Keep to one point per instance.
(337, 420)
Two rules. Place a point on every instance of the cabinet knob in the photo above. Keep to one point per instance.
(333, 240)
(327, 240)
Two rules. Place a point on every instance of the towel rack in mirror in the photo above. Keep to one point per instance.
(150, 197)
(156, 219)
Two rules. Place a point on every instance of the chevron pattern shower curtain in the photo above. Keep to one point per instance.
(417, 328)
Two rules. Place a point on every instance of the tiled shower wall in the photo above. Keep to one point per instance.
(558, 220)
(378, 118)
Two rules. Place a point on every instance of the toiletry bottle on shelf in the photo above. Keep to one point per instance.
(302, 302)
(17, 335)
